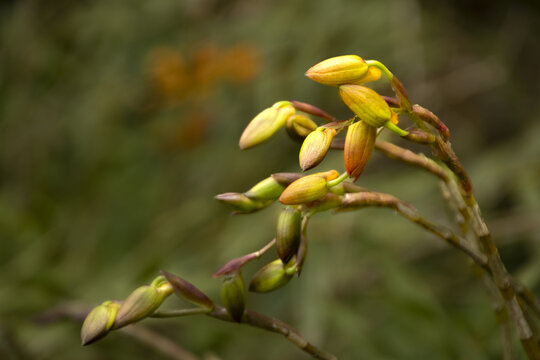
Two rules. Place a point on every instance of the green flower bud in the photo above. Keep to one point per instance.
(186, 290)
(359, 145)
(234, 296)
(288, 233)
(98, 322)
(142, 302)
(338, 70)
(299, 126)
(265, 124)
(366, 103)
(240, 203)
(267, 189)
(272, 276)
(315, 147)
(308, 188)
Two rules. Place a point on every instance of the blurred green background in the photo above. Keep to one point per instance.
(119, 122)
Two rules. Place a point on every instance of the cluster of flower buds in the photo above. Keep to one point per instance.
(141, 303)
(112, 315)
(302, 195)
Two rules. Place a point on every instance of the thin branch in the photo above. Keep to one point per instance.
(158, 342)
(179, 312)
(268, 323)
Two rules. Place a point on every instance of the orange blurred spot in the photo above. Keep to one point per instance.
(168, 72)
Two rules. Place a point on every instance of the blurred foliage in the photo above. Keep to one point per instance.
(119, 121)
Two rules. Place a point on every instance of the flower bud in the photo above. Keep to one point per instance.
(359, 145)
(267, 189)
(299, 126)
(338, 70)
(272, 276)
(265, 124)
(285, 179)
(240, 203)
(233, 295)
(373, 74)
(98, 322)
(186, 290)
(366, 103)
(307, 188)
(315, 147)
(142, 302)
(288, 233)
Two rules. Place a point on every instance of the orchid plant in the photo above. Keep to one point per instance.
(303, 196)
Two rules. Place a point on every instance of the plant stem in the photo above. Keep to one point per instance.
(179, 312)
(268, 323)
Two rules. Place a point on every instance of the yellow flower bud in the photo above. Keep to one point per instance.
(272, 276)
(359, 145)
(98, 322)
(315, 147)
(307, 188)
(366, 103)
(265, 124)
(234, 296)
(299, 126)
(373, 74)
(338, 70)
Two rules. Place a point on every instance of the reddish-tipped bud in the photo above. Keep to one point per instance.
(265, 124)
(234, 295)
(240, 203)
(308, 188)
(288, 233)
(311, 109)
(267, 189)
(272, 276)
(98, 322)
(338, 70)
(299, 126)
(366, 103)
(359, 145)
(315, 147)
(185, 290)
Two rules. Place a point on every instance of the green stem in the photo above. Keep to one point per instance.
(179, 312)
(382, 67)
(338, 180)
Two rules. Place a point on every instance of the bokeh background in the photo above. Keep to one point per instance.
(119, 122)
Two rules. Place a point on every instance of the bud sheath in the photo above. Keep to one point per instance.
(288, 233)
(272, 276)
(234, 296)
